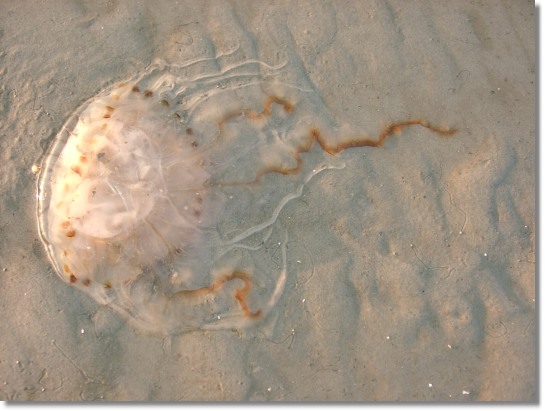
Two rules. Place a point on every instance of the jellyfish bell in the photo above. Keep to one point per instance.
(142, 197)
(161, 196)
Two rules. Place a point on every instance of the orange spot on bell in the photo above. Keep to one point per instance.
(76, 169)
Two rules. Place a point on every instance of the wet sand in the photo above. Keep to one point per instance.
(411, 271)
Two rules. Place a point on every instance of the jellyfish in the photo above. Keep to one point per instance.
(160, 196)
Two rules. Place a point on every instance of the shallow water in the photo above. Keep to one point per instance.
(410, 271)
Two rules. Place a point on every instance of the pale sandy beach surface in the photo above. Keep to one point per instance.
(411, 271)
